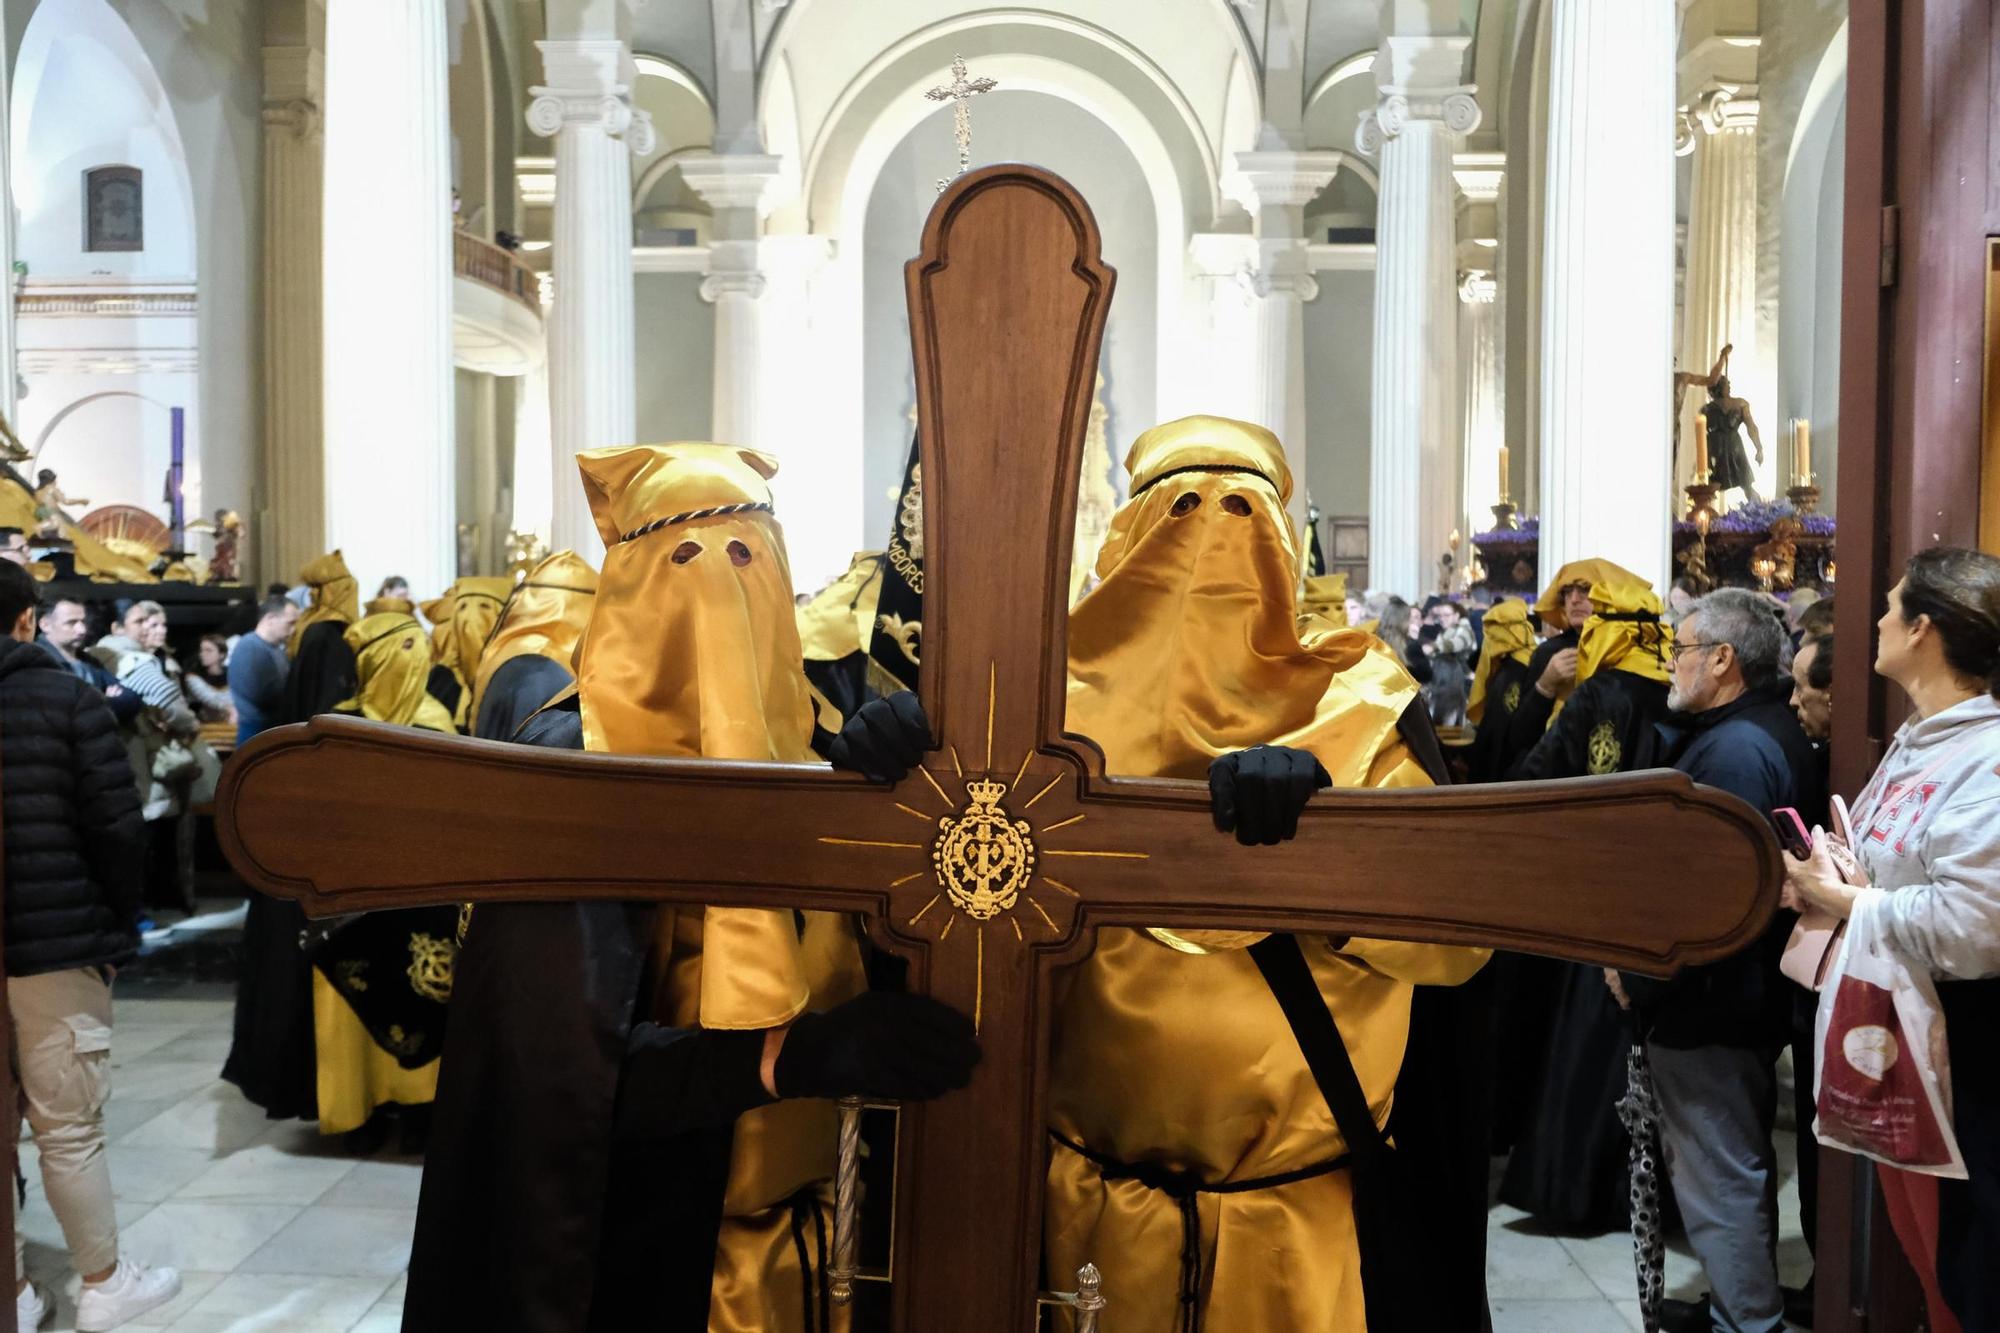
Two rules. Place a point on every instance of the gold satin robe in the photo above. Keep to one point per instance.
(1168, 1047)
(355, 1075)
(693, 649)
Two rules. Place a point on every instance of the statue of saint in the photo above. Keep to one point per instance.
(49, 500)
(1728, 417)
(228, 537)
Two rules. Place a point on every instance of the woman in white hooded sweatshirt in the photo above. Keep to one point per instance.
(1927, 827)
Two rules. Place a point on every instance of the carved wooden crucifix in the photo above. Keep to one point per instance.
(994, 864)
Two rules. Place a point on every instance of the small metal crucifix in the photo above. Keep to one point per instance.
(958, 92)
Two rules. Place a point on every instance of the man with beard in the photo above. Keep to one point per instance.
(632, 1127)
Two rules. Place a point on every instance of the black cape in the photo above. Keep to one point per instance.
(517, 690)
(271, 1055)
(577, 1156)
(1443, 1098)
(1564, 1037)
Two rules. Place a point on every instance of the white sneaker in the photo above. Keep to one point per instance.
(30, 1310)
(130, 1291)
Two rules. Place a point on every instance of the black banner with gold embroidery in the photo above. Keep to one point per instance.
(896, 647)
(394, 970)
(1315, 556)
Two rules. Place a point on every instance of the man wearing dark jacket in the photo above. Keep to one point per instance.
(65, 625)
(1714, 1032)
(74, 866)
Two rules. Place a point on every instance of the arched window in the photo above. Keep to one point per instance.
(114, 209)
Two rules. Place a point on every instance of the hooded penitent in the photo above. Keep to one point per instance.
(1625, 632)
(1189, 648)
(1591, 572)
(693, 650)
(1509, 638)
(392, 660)
(462, 620)
(545, 615)
(335, 596)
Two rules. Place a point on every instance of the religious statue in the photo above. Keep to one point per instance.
(11, 448)
(1727, 417)
(1095, 497)
(228, 539)
(49, 500)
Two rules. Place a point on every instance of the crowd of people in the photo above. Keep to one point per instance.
(625, 1107)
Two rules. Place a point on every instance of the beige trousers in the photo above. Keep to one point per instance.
(62, 1061)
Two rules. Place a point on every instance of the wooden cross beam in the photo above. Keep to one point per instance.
(998, 860)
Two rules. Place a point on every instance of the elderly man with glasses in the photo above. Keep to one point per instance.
(1714, 1032)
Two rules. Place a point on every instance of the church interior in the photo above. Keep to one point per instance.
(1515, 397)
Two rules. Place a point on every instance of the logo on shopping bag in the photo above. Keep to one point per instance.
(1870, 1050)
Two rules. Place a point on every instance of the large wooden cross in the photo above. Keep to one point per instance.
(996, 862)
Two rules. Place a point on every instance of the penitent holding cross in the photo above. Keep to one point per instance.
(995, 864)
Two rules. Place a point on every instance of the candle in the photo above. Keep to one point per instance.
(1802, 452)
(1701, 448)
(1503, 474)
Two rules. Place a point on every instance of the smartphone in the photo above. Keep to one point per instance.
(1792, 831)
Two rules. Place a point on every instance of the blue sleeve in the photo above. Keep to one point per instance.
(255, 677)
(1747, 763)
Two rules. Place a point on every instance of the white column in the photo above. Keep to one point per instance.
(738, 188)
(1607, 284)
(290, 525)
(820, 537)
(1275, 186)
(1484, 427)
(9, 342)
(1414, 459)
(586, 108)
(390, 474)
(1721, 294)
(534, 456)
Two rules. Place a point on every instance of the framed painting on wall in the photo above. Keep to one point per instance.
(114, 209)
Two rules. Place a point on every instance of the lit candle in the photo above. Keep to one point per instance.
(1701, 448)
(1503, 474)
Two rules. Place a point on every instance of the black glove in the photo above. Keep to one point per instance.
(907, 1048)
(1259, 792)
(884, 739)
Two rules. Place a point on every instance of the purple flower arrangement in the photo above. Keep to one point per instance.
(1757, 516)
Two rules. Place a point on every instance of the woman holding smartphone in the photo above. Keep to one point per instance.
(1925, 866)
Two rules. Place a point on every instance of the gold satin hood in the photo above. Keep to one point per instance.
(1593, 572)
(693, 650)
(1508, 636)
(392, 663)
(335, 596)
(463, 619)
(1190, 646)
(1625, 633)
(544, 616)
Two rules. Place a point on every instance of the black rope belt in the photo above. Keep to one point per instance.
(1183, 1189)
(812, 1270)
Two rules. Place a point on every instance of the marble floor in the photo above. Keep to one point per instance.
(275, 1230)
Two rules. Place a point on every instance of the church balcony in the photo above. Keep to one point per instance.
(496, 309)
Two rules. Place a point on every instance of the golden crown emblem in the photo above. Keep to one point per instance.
(983, 859)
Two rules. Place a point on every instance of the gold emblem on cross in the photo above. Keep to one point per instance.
(981, 858)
